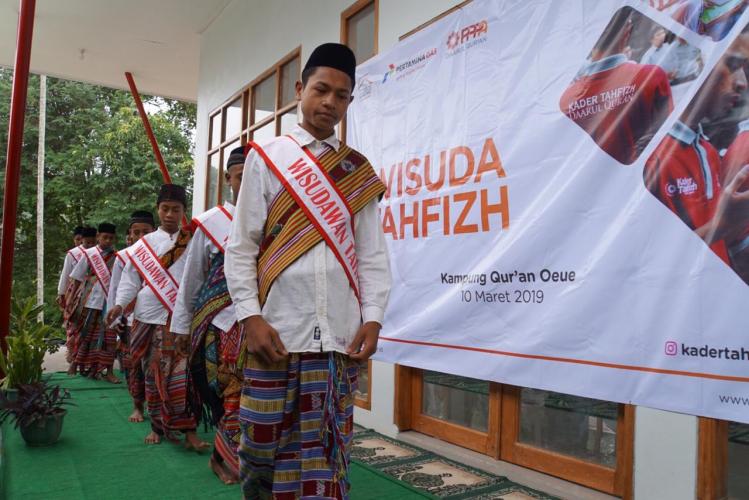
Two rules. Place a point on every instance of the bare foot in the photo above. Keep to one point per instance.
(152, 438)
(112, 378)
(194, 443)
(72, 369)
(222, 471)
(136, 416)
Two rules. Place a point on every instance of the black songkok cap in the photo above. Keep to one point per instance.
(89, 232)
(78, 230)
(172, 192)
(141, 216)
(106, 227)
(336, 56)
(236, 157)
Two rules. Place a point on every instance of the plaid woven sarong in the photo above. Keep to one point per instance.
(297, 421)
(165, 374)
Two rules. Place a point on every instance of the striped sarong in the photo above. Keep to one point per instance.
(95, 344)
(218, 384)
(165, 374)
(297, 420)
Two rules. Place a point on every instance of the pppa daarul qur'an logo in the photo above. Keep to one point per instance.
(467, 34)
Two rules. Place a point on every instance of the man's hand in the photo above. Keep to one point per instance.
(263, 341)
(60, 301)
(365, 341)
(113, 314)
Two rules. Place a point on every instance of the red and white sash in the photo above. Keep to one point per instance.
(99, 266)
(317, 195)
(76, 253)
(216, 224)
(120, 257)
(155, 275)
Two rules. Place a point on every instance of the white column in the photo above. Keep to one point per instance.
(40, 194)
(665, 455)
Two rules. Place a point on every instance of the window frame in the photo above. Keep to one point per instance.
(501, 441)
(246, 95)
(352, 10)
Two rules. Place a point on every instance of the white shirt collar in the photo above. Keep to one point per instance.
(305, 138)
(605, 63)
(167, 235)
(683, 133)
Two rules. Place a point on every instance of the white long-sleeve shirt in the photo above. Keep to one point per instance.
(67, 268)
(81, 272)
(311, 303)
(148, 308)
(119, 264)
(198, 257)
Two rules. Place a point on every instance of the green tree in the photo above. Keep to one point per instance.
(99, 166)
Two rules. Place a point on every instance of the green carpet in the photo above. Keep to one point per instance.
(101, 455)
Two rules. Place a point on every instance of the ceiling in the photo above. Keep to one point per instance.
(97, 41)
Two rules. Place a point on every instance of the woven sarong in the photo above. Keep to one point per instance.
(297, 421)
(215, 380)
(165, 378)
(91, 343)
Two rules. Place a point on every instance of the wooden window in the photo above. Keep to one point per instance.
(359, 26)
(582, 440)
(359, 32)
(260, 111)
(723, 459)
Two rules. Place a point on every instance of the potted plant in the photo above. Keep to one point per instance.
(28, 341)
(37, 411)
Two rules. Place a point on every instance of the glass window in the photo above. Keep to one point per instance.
(363, 390)
(289, 77)
(264, 133)
(233, 118)
(215, 131)
(580, 427)
(264, 99)
(460, 400)
(288, 120)
(361, 33)
(226, 194)
(738, 460)
(213, 180)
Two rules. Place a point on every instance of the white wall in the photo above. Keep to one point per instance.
(665, 455)
(250, 36)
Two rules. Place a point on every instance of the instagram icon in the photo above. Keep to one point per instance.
(671, 348)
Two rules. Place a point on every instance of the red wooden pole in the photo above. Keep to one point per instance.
(147, 126)
(13, 160)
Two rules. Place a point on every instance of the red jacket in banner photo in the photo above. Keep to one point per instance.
(684, 174)
(619, 103)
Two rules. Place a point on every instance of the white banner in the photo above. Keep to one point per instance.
(566, 205)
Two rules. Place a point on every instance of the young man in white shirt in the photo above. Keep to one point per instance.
(69, 293)
(141, 224)
(94, 349)
(151, 277)
(307, 268)
(205, 312)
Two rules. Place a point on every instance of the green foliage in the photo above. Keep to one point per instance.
(99, 167)
(28, 341)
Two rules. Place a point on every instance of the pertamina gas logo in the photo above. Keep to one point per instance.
(467, 37)
(409, 66)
